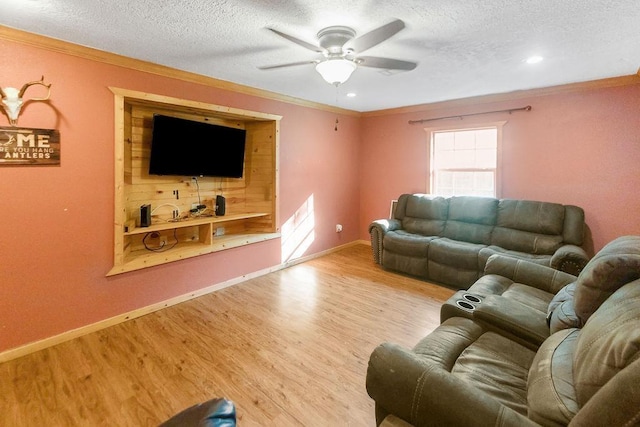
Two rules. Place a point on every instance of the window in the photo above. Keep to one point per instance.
(464, 162)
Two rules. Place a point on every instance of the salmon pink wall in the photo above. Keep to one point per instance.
(57, 221)
(580, 148)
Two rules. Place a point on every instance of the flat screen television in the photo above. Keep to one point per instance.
(190, 148)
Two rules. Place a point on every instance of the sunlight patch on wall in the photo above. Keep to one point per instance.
(298, 232)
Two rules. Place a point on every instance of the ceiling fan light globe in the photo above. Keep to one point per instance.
(336, 71)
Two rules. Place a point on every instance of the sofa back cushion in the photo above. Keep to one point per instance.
(528, 226)
(471, 219)
(573, 233)
(474, 210)
(589, 376)
(427, 207)
(425, 227)
(608, 350)
(535, 217)
(616, 264)
(401, 206)
(423, 214)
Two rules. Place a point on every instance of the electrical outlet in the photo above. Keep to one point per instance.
(219, 231)
(163, 240)
(338, 228)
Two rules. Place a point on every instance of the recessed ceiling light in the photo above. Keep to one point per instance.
(533, 59)
(351, 95)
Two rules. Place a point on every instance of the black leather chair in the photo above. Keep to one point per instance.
(217, 412)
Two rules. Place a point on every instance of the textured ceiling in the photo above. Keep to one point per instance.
(463, 48)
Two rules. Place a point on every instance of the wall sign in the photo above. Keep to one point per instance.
(27, 146)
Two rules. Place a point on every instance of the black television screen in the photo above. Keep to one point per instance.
(189, 148)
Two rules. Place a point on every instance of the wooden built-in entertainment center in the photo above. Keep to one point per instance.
(176, 233)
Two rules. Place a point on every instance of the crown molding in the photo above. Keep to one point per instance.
(632, 79)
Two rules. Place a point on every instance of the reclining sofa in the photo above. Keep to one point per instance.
(510, 352)
(449, 240)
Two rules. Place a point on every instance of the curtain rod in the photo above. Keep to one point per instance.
(460, 116)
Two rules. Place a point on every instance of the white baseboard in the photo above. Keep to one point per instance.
(23, 350)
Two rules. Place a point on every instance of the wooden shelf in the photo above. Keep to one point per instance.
(192, 222)
(143, 258)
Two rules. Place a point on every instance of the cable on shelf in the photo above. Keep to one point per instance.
(163, 245)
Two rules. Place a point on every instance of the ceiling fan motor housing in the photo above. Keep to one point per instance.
(334, 38)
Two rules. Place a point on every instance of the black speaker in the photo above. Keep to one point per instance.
(220, 205)
(145, 215)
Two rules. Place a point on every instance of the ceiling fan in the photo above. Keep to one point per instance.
(341, 51)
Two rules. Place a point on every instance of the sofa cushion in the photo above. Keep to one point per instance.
(405, 243)
(529, 296)
(608, 343)
(525, 241)
(474, 210)
(471, 219)
(561, 313)
(496, 366)
(550, 393)
(484, 360)
(423, 214)
(466, 232)
(485, 253)
(614, 265)
(573, 232)
(424, 227)
(535, 217)
(401, 206)
(427, 207)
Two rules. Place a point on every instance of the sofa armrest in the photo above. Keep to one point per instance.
(377, 230)
(385, 225)
(423, 393)
(528, 273)
(513, 317)
(570, 259)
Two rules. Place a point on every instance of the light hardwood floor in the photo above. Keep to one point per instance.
(289, 349)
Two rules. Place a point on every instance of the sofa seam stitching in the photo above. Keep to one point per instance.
(419, 387)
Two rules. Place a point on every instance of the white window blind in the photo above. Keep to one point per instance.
(464, 162)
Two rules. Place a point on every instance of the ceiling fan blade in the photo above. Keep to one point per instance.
(374, 37)
(291, 64)
(297, 41)
(386, 63)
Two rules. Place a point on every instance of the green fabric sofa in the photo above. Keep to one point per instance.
(449, 240)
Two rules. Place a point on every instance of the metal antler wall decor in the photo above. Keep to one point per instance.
(12, 99)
